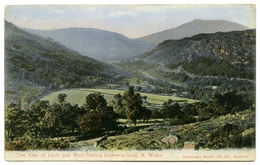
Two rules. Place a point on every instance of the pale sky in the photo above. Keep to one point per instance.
(132, 21)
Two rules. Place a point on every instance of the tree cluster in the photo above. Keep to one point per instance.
(177, 113)
(44, 121)
(130, 106)
(220, 104)
(207, 66)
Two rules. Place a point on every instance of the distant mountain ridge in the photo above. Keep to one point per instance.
(192, 28)
(101, 45)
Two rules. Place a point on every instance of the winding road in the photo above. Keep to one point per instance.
(191, 75)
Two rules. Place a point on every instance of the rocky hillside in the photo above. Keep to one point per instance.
(34, 66)
(236, 49)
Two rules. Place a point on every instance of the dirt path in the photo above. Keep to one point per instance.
(85, 145)
(154, 78)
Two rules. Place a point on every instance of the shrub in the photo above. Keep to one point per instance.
(131, 130)
(248, 138)
(16, 145)
(227, 136)
(184, 120)
(36, 144)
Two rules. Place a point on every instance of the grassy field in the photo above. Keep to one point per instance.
(136, 81)
(133, 80)
(78, 96)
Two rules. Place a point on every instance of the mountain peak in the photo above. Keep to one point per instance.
(198, 20)
(205, 20)
(192, 28)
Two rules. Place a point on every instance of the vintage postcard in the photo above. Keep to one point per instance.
(130, 82)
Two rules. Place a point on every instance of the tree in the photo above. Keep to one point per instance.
(62, 97)
(36, 113)
(69, 116)
(172, 109)
(89, 122)
(127, 84)
(191, 109)
(228, 102)
(100, 116)
(133, 102)
(50, 124)
(16, 121)
(156, 113)
(146, 114)
(129, 93)
(108, 119)
(96, 101)
(119, 107)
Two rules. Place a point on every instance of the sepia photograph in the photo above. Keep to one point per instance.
(130, 82)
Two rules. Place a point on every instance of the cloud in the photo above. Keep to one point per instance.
(120, 13)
